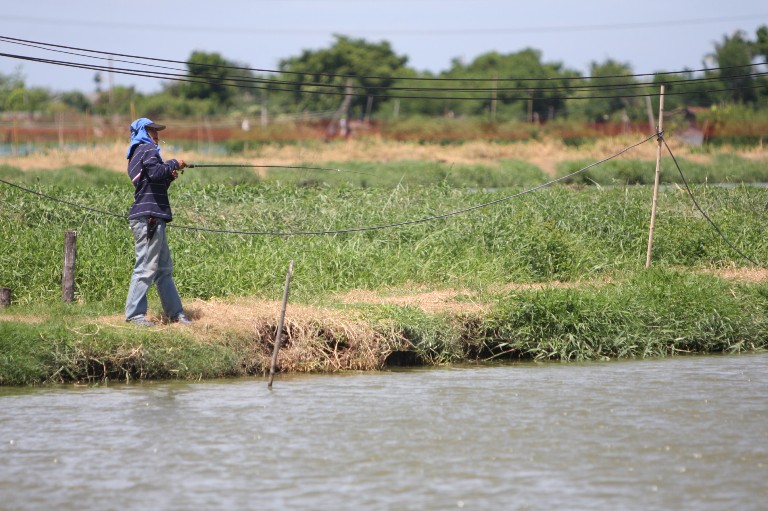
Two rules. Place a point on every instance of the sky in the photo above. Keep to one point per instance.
(649, 36)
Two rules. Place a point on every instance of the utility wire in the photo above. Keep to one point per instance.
(182, 73)
(14, 40)
(227, 82)
(355, 229)
(704, 213)
(264, 166)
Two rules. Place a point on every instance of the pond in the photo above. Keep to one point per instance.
(677, 433)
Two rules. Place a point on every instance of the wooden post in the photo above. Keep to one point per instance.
(279, 337)
(368, 108)
(656, 180)
(264, 111)
(493, 99)
(60, 128)
(68, 277)
(5, 297)
(87, 127)
(15, 138)
(649, 108)
(530, 106)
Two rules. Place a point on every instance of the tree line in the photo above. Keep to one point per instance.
(356, 78)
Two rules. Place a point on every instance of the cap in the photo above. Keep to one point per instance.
(154, 125)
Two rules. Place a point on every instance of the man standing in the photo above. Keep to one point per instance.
(150, 212)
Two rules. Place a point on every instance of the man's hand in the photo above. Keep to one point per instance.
(182, 166)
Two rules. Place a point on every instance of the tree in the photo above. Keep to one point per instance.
(682, 89)
(321, 78)
(612, 78)
(211, 78)
(75, 100)
(14, 96)
(733, 56)
(117, 100)
(517, 85)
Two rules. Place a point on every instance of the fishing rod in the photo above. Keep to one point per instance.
(263, 166)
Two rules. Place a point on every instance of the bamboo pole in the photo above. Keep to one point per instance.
(279, 337)
(656, 179)
(68, 277)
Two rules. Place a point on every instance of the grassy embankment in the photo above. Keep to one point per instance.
(555, 274)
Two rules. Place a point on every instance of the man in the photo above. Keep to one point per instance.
(150, 212)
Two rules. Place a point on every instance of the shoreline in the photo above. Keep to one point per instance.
(367, 330)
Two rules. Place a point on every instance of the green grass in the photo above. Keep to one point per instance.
(555, 233)
(723, 169)
(54, 352)
(386, 175)
(653, 313)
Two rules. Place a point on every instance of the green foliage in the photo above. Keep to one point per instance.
(734, 56)
(655, 313)
(366, 68)
(722, 169)
(209, 76)
(432, 339)
(117, 100)
(600, 109)
(75, 100)
(51, 352)
(508, 77)
(495, 87)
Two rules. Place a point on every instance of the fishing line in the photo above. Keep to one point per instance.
(429, 218)
(704, 213)
(263, 166)
(358, 229)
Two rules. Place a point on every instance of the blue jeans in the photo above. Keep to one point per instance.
(153, 265)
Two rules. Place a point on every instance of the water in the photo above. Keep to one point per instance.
(682, 433)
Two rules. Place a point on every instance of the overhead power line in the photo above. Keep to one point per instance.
(51, 46)
(232, 82)
(367, 90)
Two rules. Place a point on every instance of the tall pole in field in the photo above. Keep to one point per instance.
(656, 180)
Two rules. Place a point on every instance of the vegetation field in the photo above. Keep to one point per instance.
(415, 254)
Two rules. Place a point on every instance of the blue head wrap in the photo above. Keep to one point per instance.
(139, 134)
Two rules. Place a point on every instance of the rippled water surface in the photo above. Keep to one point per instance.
(682, 433)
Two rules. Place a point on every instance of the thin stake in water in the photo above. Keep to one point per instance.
(279, 337)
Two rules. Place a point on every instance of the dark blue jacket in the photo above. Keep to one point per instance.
(151, 177)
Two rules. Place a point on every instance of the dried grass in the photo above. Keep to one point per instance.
(314, 339)
(545, 153)
(746, 275)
